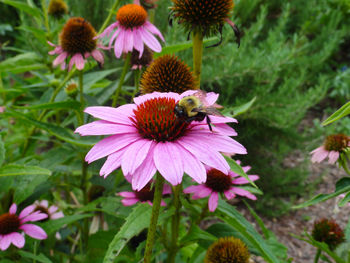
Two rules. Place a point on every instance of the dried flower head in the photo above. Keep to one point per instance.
(77, 40)
(207, 17)
(333, 146)
(57, 8)
(329, 232)
(138, 62)
(168, 74)
(227, 250)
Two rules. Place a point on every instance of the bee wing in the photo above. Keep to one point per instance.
(208, 110)
(201, 95)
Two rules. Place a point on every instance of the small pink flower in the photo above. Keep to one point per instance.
(50, 211)
(11, 225)
(224, 183)
(133, 31)
(146, 194)
(2, 109)
(333, 146)
(147, 136)
(77, 41)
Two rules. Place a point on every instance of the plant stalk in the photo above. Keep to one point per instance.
(175, 224)
(137, 75)
(109, 17)
(154, 218)
(197, 54)
(318, 254)
(121, 80)
(82, 101)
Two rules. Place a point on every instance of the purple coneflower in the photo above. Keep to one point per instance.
(77, 41)
(333, 146)
(148, 137)
(224, 183)
(145, 195)
(51, 211)
(11, 225)
(133, 31)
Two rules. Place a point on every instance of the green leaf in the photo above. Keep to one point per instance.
(137, 220)
(230, 215)
(53, 226)
(23, 7)
(342, 186)
(91, 78)
(21, 63)
(61, 133)
(197, 233)
(2, 151)
(70, 104)
(179, 47)
(238, 110)
(342, 112)
(345, 200)
(40, 258)
(17, 169)
(236, 168)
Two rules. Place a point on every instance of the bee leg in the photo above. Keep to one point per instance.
(209, 123)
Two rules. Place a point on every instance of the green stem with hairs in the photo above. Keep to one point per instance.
(318, 254)
(43, 113)
(197, 54)
(137, 75)
(154, 218)
(46, 17)
(121, 80)
(109, 17)
(175, 224)
(82, 101)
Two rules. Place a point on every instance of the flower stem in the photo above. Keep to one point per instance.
(46, 18)
(137, 75)
(197, 54)
(318, 254)
(82, 101)
(154, 217)
(175, 223)
(109, 17)
(121, 80)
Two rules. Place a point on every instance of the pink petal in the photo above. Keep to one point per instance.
(110, 145)
(98, 56)
(53, 209)
(71, 63)
(192, 166)
(333, 157)
(108, 30)
(211, 97)
(319, 155)
(17, 239)
(171, 95)
(34, 217)
(135, 155)
(128, 41)
(113, 37)
(162, 203)
(242, 180)
(113, 162)
(205, 154)
(224, 129)
(119, 44)
(13, 209)
(127, 194)
(243, 192)
(229, 195)
(51, 44)
(60, 58)
(138, 43)
(219, 119)
(145, 172)
(202, 192)
(26, 211)
(57, 215)
(129, 202)
(118, 115)
(44, 203)
(153, 29)
(150, 40)
(166, 189)
(79, 61)
(104, 128)
(34, 231)
(168, 161)
(5, 241)
(213, 201)
(193, 189)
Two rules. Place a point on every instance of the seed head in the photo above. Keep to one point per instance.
(131, 15)
(337, 142)
(218, 181)
(9, 223)
(328, 231)
(144, 61)
(57, 8)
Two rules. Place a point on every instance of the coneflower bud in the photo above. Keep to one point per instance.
(227, 250)
(57, 8)
(71, 89)
(168, 74)
(329, 232)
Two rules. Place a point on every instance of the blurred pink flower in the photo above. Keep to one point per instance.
(133, 31)
(76, 41)
(224, 183)
(147, 136)
(144, 195)
(51, 211)
(333, 146)
(11, 225)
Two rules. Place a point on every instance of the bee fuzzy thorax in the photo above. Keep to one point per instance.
(189, 103)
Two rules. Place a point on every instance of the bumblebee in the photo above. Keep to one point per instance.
(196, 108)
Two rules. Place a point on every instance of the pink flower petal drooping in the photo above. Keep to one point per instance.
(147, 136)
(133, 31)
(217, 183)
(12, 225)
